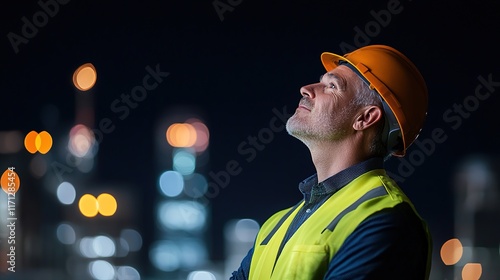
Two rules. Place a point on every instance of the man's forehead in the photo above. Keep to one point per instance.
(341, 71)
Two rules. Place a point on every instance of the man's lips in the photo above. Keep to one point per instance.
(303, 107)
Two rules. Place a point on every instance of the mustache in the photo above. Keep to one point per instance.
(306, 102)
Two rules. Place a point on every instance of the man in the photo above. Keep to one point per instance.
(354, 221)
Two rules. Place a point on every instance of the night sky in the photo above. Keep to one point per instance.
(240, 70)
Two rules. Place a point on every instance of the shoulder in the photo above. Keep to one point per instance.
(393, 244)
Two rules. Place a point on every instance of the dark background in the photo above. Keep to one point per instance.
(232, 73)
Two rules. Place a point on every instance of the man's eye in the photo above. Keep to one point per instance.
(330, 85)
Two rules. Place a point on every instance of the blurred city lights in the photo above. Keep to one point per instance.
(472, 271)
(85, 76)
(66, 193)
(88, 205)
(184, 161)
(186, 253)
(165, 255)
(66, 234)
(171, 183)
(10, 142)
(10, 181)
(127, 273)
(245, 230)
(451, 251)
(201, 275)
(195, 185)
(81, 141)
(182, 215)
(107, 204)
(193, 253)
(101, 270)
(132, 238)
(202, 135)
(38, 142)
(103, 246)
(86, 247)
(181, 135)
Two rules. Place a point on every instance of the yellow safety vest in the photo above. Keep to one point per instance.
(307, 254)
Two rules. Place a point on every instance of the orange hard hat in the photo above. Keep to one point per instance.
(399, 83)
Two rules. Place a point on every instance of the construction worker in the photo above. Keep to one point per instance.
(354, 221)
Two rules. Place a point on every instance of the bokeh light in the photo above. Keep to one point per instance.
(10, 181)
(182, 215)
(181, 135)
(38, 142)
(85, 76)
(184, 161)
(107, 204)
(171, 183)
(88, 205)
(201, 275)
(165, 255)
(66, 193)
(186, 253)
(86, 247)
(10, 142)
(472, 271)
(193, 253)
(66, 234)
(196, 185)
(451, 251)
(127, 273)
(102, 270)
(81, 140)
(133, 239)
(202, 135)
(245, 230)
(103, 246)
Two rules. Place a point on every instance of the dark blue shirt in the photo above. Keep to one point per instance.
(391, 244)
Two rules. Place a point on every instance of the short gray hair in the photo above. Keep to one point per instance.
(366, 96)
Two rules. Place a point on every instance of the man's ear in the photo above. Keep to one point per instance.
(367, 117)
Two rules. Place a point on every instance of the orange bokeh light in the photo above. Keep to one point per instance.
(451, 251)
(107, 204)
(88, 205)
(41, 142)
(472, 271)
(10, 181)
(181, 135)
(84, 77)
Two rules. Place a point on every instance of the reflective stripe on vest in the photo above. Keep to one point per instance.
(307, 253)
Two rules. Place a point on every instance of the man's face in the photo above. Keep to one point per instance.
(326, 111)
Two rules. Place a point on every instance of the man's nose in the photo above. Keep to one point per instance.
(308, 91)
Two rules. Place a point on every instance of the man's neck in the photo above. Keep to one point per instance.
(331, 158)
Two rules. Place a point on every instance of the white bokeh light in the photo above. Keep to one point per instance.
(66, 193)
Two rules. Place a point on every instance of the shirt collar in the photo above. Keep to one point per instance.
(310, 187)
